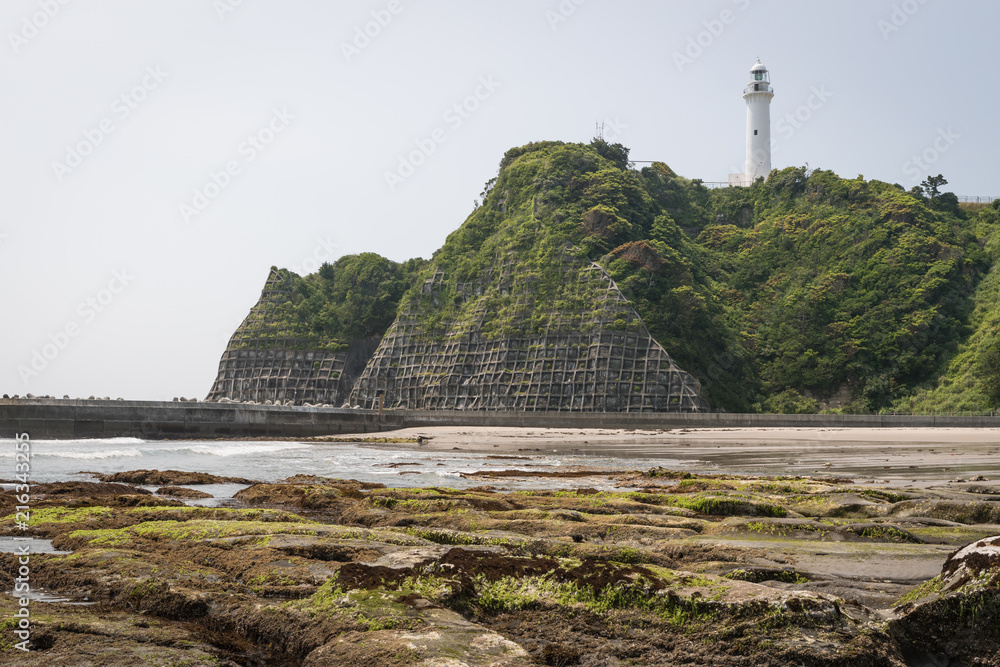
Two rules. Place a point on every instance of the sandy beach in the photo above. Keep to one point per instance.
(918, 456)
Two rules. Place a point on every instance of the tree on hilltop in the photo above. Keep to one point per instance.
(932, 186)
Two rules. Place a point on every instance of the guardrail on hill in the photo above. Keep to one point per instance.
(962, 199)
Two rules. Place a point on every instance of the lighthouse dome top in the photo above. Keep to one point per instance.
(759, 74)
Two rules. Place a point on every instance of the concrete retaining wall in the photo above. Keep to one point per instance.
(56, 419)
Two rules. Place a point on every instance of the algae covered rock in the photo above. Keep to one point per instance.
(170, 478)
(182, 492)
(954, 619)
(972, 561)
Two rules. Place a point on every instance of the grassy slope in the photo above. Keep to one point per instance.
(971, 380)
(843, 283)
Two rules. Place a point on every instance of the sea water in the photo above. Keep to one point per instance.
(271, 461)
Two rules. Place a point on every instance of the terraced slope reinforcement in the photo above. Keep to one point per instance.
(583, 348)
(517, 310)
(307, 339)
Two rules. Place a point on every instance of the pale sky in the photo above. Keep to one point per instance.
(160, 155)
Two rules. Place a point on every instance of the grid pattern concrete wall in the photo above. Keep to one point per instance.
(263, 363)
(591, 354)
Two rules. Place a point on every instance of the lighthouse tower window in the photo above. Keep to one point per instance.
(755, 133)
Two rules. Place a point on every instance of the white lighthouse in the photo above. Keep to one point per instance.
(758, 95)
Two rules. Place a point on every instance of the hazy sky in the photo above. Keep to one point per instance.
(160, 155)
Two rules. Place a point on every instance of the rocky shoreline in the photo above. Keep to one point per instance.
(652, 567)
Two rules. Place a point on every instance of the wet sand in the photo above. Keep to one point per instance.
(912, 456)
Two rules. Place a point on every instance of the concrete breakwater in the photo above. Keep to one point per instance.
(64, 419)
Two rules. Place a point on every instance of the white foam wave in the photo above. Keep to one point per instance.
(244, 449)
(90, 456)
(93, 442)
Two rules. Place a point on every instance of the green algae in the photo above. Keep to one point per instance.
(726, 506)
(58, 515)
(930, 587)
(370, 610)
(460, 538)
(877, 495)
(219, 514)
(194, 529)
(511, 594)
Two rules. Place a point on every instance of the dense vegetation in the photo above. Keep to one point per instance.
(844, 285)
(971, 380)
(355, 297)
(778, 297)
(552, 196)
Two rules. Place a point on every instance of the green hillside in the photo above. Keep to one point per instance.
(844, 285)
(354, 297)
(550, 196)
(775, 297)
(971, 379)
(804, 292)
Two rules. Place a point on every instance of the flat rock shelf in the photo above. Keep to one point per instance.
(641, 567)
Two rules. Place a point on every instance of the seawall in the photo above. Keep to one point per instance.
(64, 419)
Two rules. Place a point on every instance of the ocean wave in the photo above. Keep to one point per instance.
(92, 442)
(90, 456)
(244, 449)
